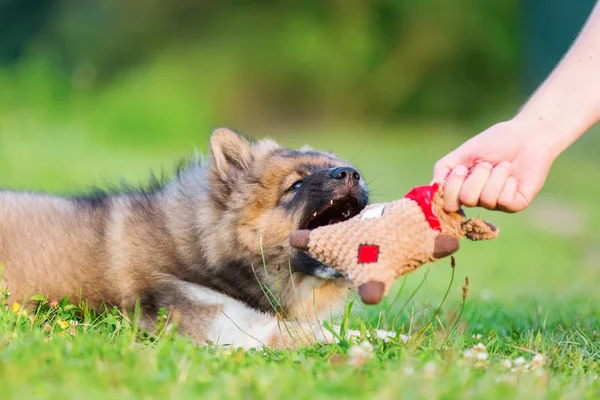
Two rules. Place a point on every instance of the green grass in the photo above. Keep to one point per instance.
(531, 291)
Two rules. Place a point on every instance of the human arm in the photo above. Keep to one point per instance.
(504, 167)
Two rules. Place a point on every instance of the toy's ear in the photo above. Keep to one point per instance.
(477, 229)
(299, 239)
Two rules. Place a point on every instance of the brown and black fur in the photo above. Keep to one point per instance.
(211, 225)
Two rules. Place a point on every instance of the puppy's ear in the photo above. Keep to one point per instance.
(230, 157)
(230, 154)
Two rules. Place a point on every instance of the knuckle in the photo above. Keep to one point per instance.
(507, 206)
(484, 165)
(469, 199)
(451, 205)
(488, 198)
(487, 202)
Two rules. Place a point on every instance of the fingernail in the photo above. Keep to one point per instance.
(461, 170)
(504, 164)
(486, 164)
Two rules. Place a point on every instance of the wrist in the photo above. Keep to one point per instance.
(551, 130)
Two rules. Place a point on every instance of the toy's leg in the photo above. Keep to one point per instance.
(371, 292)
(445, 245)
(300, 239)
(477, 229)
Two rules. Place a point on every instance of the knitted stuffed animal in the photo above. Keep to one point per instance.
(388, 240)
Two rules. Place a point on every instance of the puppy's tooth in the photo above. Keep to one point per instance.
(315, 214)
(331, 202)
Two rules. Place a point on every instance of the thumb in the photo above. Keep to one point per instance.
(446, 164)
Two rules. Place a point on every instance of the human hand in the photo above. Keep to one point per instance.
(503, 168)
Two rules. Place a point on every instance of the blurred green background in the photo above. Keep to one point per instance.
(144, 68)
(95, 91)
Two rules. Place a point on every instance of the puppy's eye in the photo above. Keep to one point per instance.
(296, 185)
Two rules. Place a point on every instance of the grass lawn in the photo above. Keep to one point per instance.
(527, 329)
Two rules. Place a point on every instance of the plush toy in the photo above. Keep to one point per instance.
(388, 240)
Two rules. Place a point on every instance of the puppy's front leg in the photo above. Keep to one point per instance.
(210, 317)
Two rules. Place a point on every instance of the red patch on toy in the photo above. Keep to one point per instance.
(368, 253)
(423, 196)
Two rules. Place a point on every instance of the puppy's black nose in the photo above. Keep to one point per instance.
(345, 173)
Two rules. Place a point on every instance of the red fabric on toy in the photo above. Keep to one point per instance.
(368, 253)
(423, 196)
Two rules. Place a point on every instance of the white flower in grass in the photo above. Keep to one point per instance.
(538, 361)
(477, 337)
(478, 354)
(480, 348)
(507, 364)
(429, 369)
(366, 347)
(469, 354)
(359, 354)
(520, 366)
(408, 371)
(481, 359)
(519, 361)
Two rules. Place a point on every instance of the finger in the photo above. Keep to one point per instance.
(474, 184)
(491, 192)
(440, 172)
(507, 199)
(444, 166)
(452, 188)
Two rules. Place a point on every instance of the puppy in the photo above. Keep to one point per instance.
(211, 244)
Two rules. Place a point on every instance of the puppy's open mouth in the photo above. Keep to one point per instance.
(333, 212)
